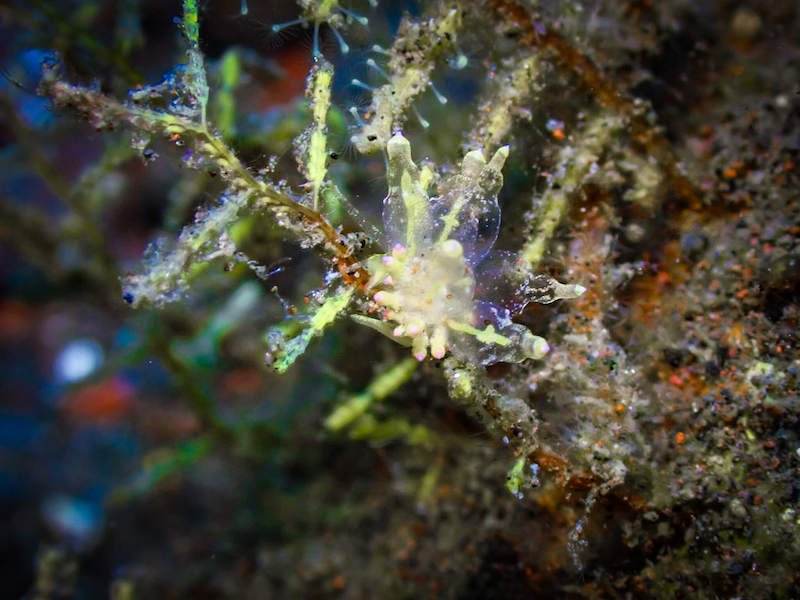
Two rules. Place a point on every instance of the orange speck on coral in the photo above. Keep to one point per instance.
(680, 437)
(730, 173)
(558, 134)
(675, 380)
(742, 293)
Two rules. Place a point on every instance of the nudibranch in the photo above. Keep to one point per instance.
(424, 286)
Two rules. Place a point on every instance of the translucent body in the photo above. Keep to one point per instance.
(426, 283)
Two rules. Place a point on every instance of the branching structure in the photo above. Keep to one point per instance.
(521, 261)
(438, 228)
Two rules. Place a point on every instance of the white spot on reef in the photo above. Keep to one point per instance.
(77, 360)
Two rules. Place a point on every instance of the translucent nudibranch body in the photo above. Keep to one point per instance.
(425, 284)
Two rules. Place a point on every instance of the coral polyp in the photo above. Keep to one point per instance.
(316, 12)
